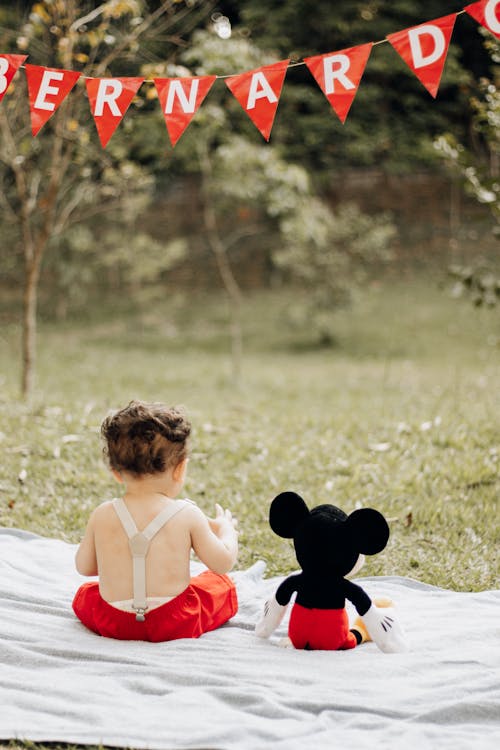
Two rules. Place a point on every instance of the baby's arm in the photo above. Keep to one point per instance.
(215, 541)
(86, 559)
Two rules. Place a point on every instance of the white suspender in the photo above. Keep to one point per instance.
(139, 545)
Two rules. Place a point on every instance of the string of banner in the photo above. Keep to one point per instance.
(423, 48)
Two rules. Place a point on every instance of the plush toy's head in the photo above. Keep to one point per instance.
(326, 540)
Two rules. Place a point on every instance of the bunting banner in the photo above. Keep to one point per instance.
(338, 75)
(9, 65)
(47, 89)
(180, 99)
(424, 48)
(487, 14)
(109, 100)
(258, 92)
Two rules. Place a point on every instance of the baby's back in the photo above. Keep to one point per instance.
(167, 561)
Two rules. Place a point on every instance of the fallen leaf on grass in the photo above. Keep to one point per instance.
(22, 449)
(432, 423)
(403, 429)
(380, 447)
(407, 520)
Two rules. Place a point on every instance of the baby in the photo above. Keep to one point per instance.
(140, 545)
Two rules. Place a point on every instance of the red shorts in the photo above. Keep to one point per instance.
(208, 602)
(320, 629)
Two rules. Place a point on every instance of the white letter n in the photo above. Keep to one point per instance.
(187, 105)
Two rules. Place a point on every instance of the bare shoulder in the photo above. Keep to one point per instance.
(193, 513)
(191, 508)
(102, 511)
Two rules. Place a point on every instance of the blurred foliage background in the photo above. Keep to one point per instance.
(312, 271)
(141, 219)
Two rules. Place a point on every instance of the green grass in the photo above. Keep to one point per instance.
(401, 415)
(28, 745)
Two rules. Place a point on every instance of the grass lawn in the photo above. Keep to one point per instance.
(401, 415)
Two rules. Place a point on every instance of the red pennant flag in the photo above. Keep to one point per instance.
(180, 99)
(424, 49)
(258, 91)
(338, 75)
(47, 89)
(109, 100)
(487, 13)
(9, 65)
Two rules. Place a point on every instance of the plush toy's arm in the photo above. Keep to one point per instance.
(384, 630)
(271, 618)
(380, 621)
(275, 608)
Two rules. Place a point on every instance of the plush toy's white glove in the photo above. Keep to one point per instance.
(271, 618)
(384, 630)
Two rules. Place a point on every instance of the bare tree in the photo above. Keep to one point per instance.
(63, 176)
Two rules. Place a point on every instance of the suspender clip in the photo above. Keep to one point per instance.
(140, 613)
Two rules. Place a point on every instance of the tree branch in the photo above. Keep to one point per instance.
(130, 39)
(239, 234)
(16, 165)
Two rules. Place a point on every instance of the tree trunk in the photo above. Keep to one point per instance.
(235, 298)
(229, 282)
(29, 327)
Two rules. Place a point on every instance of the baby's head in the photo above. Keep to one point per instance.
(145, 438)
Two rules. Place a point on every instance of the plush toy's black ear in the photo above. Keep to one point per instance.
(370, 530)
(286, 513)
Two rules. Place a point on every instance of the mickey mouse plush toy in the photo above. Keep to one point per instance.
(329, 546)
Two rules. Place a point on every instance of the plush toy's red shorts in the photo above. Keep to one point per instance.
(320, 629)
(208, 602)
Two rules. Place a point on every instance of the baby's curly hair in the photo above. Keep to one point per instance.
(145, 438)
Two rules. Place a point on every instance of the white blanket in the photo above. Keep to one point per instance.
(229, 690)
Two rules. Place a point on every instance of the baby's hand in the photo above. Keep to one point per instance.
(223, 521)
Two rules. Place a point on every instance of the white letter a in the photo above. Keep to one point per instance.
(265, 91)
